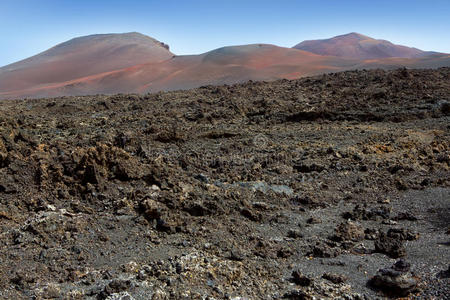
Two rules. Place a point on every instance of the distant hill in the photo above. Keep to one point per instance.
(82, 57)
(358, 46)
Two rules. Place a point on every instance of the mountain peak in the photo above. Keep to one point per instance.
(358, 46)
(84, 56)
(354, 35)
(113, 38)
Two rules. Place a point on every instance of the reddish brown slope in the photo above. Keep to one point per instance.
(163, 71)
(81, 57)
(428, 62)
(358, 46)
(220, 66)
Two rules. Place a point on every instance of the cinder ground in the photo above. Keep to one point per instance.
(250, 191)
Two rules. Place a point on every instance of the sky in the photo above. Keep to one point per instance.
(28, 27)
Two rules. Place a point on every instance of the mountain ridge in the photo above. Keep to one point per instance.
(133, 62)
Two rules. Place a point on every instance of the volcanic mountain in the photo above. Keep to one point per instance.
(225, 65)
(134, 63)
(81, 57)
(358, 46)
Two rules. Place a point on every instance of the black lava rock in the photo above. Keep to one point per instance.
(395, 281)
(390, 246)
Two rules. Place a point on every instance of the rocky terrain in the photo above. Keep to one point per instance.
(327, 187)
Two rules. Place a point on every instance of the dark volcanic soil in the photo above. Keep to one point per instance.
(290, 189)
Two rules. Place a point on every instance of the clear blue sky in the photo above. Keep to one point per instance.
(191, 27)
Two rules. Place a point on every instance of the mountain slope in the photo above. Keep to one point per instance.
(221, 66)
(134, 63)
(358, 46)
(82, 57)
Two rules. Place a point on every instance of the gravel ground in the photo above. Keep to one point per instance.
(329, 187)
